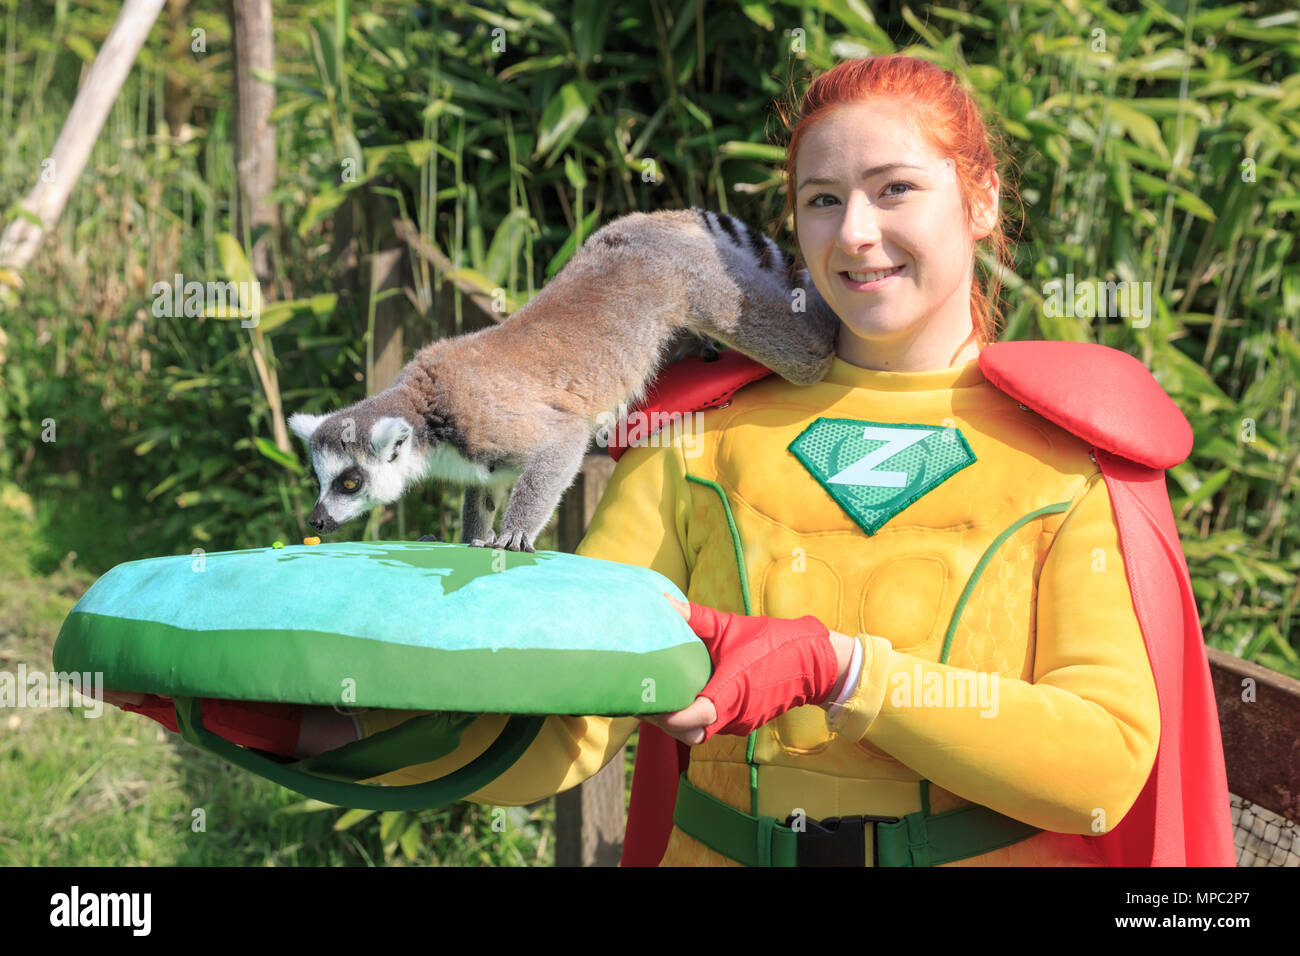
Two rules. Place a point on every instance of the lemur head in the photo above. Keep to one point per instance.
(361, 459)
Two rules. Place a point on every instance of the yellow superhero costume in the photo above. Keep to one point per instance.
(989, 539)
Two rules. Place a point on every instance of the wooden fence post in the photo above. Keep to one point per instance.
(387, 272)
(590, 818)
(1259, 721)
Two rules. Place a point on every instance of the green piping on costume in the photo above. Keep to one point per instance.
(744, 596)
(983, 563)
(970, 589)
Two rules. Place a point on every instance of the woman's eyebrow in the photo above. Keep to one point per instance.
(865, 174)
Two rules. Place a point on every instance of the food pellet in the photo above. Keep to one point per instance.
(311, 540)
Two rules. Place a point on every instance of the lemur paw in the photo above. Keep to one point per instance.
(505, 541)
(515, 541)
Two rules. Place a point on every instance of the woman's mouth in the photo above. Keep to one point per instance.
(869, 281)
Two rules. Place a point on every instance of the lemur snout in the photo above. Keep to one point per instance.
(321, 520)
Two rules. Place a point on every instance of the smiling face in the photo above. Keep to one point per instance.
(886, 240)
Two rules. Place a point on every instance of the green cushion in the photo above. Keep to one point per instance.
(408, 625)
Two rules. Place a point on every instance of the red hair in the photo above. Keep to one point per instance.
(948, 117)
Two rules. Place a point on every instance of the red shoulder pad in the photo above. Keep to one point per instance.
(689, 386)
(1102, 395)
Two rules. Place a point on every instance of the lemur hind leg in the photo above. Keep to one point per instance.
(476, 513)
(538, 491)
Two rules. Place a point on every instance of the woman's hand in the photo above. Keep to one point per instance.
(119, 697)
(762, 667)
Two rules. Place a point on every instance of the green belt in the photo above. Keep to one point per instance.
(917, 839)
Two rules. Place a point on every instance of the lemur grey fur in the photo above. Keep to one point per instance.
(518, 402)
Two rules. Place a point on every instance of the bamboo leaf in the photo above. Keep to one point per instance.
(388, 822)
(506, 243)
(411, 839)
(1205, 491)
(319, 207)
(269, 450)
(277, 313)
(759, 12)
(1140, 127)
(1283, 204)
(535, 64)
(234, 264)
(563, 116)
(1183, 199)
(80, 46)
(588, 28)
(350, 818)
(760, 152)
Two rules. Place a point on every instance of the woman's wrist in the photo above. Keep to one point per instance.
(843, 645)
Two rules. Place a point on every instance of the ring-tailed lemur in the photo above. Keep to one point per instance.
(518, 402)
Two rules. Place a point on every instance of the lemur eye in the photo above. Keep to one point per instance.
(350, 484)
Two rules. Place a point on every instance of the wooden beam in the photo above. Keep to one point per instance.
(1259, 719)
(590, 818)
(477, 303)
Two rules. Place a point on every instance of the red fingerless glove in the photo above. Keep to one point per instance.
(249, 723)
(763, 666)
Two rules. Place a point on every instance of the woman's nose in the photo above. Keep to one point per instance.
(861, 224)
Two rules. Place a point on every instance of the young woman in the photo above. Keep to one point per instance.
(913, 586)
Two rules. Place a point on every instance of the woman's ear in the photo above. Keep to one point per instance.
(984, 215)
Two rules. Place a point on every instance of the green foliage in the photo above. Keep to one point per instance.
(1151, 146)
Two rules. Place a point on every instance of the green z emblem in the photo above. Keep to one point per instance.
(874, 470)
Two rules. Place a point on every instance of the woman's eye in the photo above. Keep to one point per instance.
(908, 186)
(815, 204)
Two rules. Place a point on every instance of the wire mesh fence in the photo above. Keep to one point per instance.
(1262, 837)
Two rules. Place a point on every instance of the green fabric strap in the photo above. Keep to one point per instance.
(330, 777)
(753, 841)
(920, 840)
(421, 739)
(916, 840)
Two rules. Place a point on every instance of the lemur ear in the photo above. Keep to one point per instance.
(387, 437)
(304, 425)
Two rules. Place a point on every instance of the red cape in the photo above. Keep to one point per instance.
(1108, 398)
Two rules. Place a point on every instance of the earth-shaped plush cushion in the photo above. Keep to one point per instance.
(406, 625)
(454, 630)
